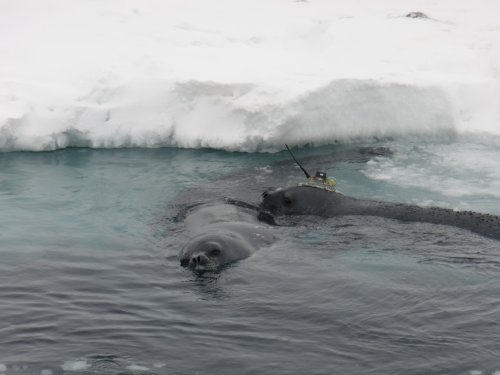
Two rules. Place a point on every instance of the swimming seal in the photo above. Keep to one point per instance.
(305, 200)
(222, 234)
(223, 244)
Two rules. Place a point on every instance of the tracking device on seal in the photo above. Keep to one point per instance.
(319, 180)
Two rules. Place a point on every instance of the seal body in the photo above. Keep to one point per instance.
(304, 200)
(222, 234)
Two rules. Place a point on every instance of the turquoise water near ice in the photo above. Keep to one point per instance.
(90, 282)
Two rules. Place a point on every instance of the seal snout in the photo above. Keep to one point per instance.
(267, 200)
(268, 192)
(197, 261)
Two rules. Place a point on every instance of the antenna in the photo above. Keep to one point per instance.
(301, 167)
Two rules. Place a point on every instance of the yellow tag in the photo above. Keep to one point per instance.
(331, 181)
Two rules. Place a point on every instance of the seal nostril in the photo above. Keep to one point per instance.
(265, 194)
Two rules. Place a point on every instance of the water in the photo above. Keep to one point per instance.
(90, 283)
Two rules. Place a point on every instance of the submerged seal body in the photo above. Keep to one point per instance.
(304, 200)
(222, 234)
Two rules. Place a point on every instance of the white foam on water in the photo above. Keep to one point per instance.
(137, 368)
(454, 170)
(246, 75)
(3, 367)
(78, 365)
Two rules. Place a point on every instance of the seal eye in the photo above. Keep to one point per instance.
(214, 253)
(287, 200)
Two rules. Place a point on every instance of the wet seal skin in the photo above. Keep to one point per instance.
(222, 234)
(305, 200)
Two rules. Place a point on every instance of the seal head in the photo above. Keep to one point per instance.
(210, 251)
(299, 200)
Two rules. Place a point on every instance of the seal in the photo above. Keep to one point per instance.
(222, 244)
(222, 234)
(307, 200)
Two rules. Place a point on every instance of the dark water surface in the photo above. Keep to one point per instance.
(90, 283)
